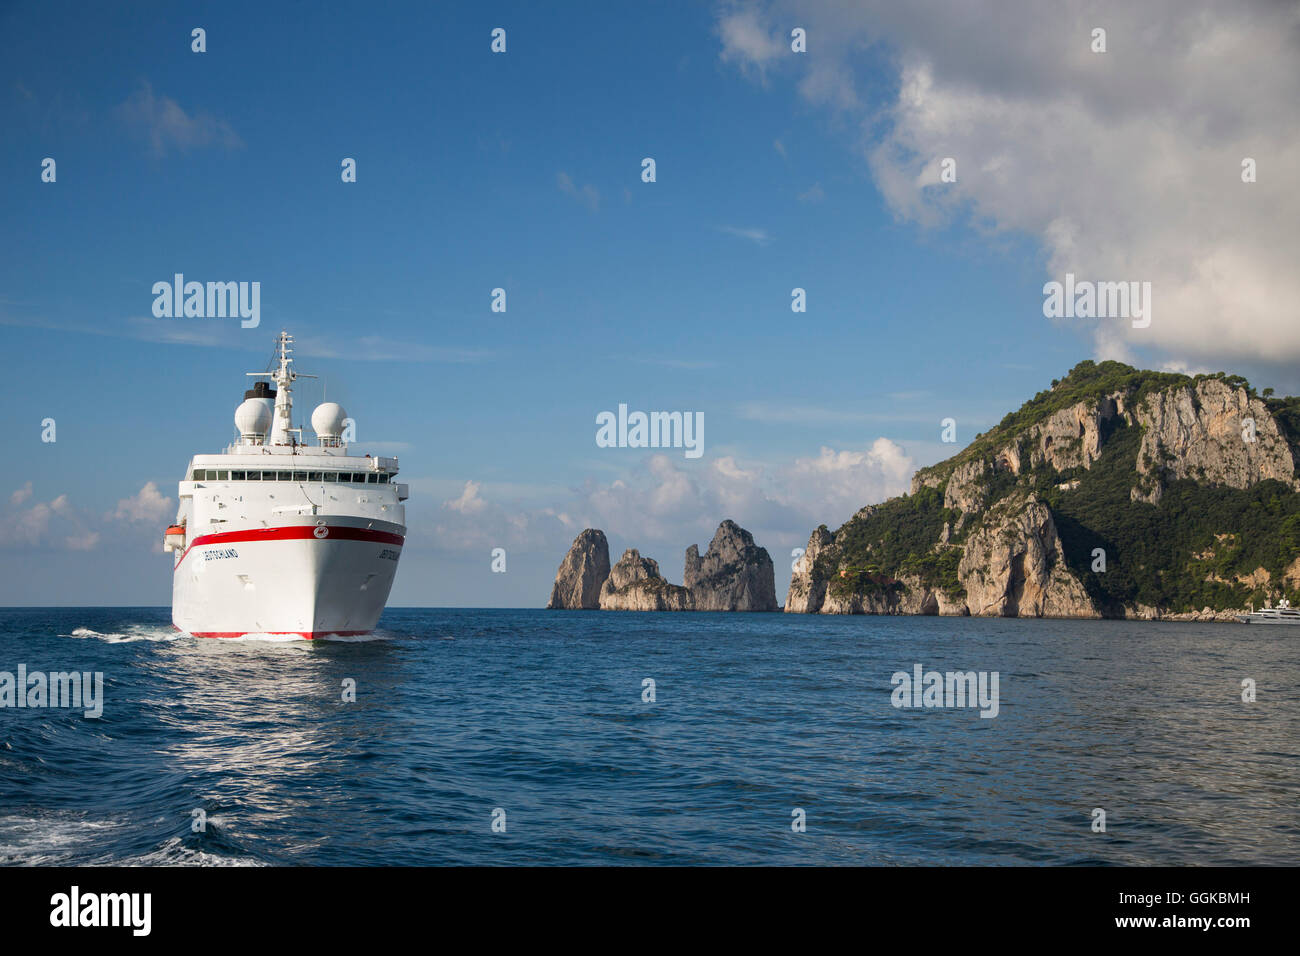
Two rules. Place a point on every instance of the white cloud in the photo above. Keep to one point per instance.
(43, 524)
(147, 505)
(167, 126)
(469, 502)
(841, 482)
(588, 195)
(754, 235)
(664, 504)
(1125, 165)
(137, 520)
(749, 42)
(21, 495)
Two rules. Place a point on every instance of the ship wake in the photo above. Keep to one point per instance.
(132, 632)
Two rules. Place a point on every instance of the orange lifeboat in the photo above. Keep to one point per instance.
(174, 538)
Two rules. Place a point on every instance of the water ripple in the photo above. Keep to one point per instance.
(460, 714)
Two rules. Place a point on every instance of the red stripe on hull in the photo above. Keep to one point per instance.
(308, 635)
(295, 532)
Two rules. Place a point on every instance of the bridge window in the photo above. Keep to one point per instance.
(331, 476)
(284, 476)
(300, 476)
(314, 476)
(372, 478)
(237, 476)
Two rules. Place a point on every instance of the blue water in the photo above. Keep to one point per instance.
(540, 714)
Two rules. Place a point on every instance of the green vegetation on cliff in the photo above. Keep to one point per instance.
(1201, 545)
(894, 539)
(1152, 550)
(1086, 383)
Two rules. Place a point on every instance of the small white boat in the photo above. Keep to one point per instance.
(1284, 613)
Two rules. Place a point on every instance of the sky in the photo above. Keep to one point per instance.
(522, 170)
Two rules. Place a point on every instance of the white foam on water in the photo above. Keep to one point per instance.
(45, 841)
(133, 632)
(54, 839)
(175, 853)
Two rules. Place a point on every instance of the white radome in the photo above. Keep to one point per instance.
(327, 420)
(253, 418)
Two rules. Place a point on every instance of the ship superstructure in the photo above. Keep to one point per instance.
(276, 536)
(1284, 613)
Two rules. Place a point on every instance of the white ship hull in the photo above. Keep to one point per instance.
(308, 577)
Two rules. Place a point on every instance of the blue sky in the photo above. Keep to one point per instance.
(522, 171)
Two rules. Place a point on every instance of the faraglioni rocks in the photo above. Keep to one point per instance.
(582, 573)
(734, 575)
(635, 584)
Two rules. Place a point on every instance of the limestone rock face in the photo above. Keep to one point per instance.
(733, 575)
(1197, 432)
(635, 584)
(582, 573)
(806, 592)
(1069, 438)
(966, 491)
(1014, 566)
(930, 477)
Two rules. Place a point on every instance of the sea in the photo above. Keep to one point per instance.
(532, 737)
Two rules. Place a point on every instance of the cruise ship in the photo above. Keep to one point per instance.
(275, 536)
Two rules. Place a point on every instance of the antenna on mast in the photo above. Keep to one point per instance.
(284, 376)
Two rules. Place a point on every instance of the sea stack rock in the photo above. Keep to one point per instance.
(635, 584)
(582, 573)
(734, 575)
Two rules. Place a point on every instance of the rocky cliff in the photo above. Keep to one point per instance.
(1211, 433)
(635, 584)
(734, 574)
(582, 573)
(808, 589)
(1014, 566)
(1118, 492)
